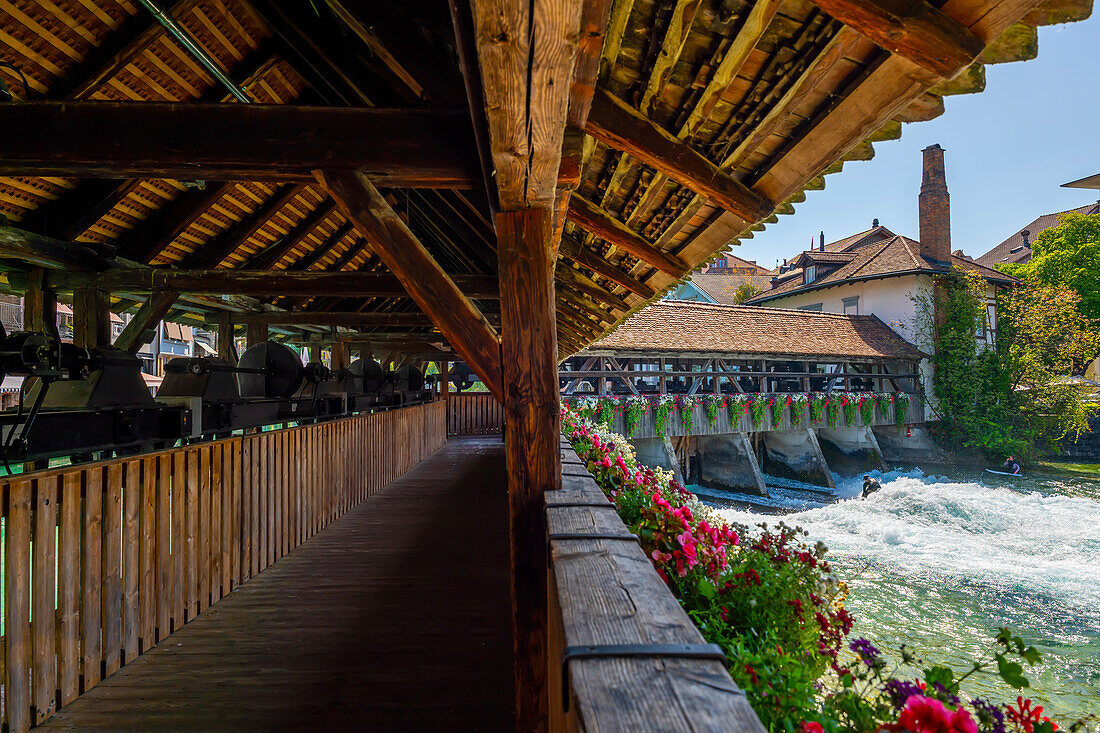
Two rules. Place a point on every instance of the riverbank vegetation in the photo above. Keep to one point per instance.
(1013, 398)
(774, 604)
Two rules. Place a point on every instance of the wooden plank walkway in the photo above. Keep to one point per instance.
(395, 617)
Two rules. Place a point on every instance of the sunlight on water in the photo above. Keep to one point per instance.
(939, 563)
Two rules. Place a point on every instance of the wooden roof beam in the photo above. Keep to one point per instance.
(149, 314)
(587, 258)
(47, 252)
(592, 218)
(434, 291)
(617, 124)
(913, 29)
(262, 282)
(146, 241)
(423, 148)
(347, 319)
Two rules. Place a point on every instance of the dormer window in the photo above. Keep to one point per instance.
(809, 274)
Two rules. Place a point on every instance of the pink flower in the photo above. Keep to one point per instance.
(926, 715)
(808, 726)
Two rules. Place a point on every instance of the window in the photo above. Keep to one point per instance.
(810, 274)
(851, 306)
(814, 307)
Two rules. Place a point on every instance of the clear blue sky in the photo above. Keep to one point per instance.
(1008, 150)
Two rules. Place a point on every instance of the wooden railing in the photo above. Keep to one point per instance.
(474, 413)
(604, 592)
(143, 545)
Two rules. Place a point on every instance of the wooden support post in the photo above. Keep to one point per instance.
(339, 357)
(529, 356)
(445, 381)
(257, 334)
(148, 316)
(39, 304)
(91, 318)
(315, 353)
(227, 349)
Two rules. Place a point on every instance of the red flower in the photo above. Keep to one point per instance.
(809, 726)
(1024, 715)
(927, 715)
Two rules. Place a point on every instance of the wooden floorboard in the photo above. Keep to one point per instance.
(395, 617)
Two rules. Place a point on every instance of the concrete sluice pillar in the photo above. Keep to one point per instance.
(910, 445)
(850, 450)
(729, 462)
(796, 454)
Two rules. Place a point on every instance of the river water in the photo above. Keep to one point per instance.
(939, 562)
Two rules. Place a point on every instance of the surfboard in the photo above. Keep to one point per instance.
(1004, 473)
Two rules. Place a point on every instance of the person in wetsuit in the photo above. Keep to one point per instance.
(870, 486)
(1012, 466)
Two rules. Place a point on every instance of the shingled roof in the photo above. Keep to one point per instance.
(735, 329)
(1016, 249)
(892, 257)
(723, 288)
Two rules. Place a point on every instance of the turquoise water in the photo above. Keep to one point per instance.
(939, 562)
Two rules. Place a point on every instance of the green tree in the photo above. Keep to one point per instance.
(1014, 399)
(1067, 254)
(744, 292)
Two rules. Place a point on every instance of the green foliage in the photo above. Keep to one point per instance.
(817, 407)
(1067, 255)
(712, 405)
(901, 407)
(798, 408)
(744, 292)
(687, 412)
(758, 407)
(661, 413)
(632, 414)
(605, 412)
(832, 410)
(737, 405)
(777, 404)
(867, 409)
(848, 405)
(1012, 399)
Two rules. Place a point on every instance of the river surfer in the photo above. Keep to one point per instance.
(1011, 465)
(870, 486)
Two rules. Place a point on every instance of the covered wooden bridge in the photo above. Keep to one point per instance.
(496, 181)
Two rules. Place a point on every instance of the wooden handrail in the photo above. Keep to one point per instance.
(605, 592)
(142, 545)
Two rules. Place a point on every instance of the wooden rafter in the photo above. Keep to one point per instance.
(424, 148)
(616, 124)
(913, 29)
(587, 258)
(146, 241)
(47, 252)
(592, 218)
(570, 278)
(214, 252)
(269, 256)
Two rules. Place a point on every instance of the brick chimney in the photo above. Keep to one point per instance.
(934, 208)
